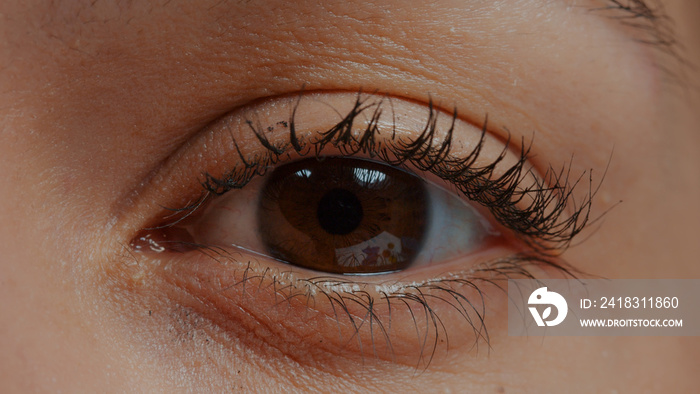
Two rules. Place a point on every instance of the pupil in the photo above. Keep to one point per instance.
(343, 216)
(339, 212)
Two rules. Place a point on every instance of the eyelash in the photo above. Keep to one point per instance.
(542, 224)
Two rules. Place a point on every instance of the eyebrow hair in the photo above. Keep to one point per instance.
(655, 27)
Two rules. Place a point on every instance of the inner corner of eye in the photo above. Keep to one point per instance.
(340, 216)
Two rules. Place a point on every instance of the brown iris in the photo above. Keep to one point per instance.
(343, 215)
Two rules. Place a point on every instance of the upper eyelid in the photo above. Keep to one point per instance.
(364, 109)
(541, 227)
(214, 157)
(144, 197)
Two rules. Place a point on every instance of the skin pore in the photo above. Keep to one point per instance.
(104, 112)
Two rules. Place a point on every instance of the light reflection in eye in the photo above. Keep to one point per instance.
(303, 173)
(345, 216)
(384, 250)
(369, 178)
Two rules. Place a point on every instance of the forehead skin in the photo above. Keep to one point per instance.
(93, 97)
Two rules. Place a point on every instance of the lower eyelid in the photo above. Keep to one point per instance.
(213, 151)
(334, 321)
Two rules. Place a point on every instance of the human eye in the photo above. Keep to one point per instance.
(341, 215)
(354, 217)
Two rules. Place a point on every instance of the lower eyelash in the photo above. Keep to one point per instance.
(348, 295)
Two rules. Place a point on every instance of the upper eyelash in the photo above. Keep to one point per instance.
(544, 223)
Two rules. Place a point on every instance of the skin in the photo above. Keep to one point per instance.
(96, 99)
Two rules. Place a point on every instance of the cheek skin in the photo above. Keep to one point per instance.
(260, 360)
